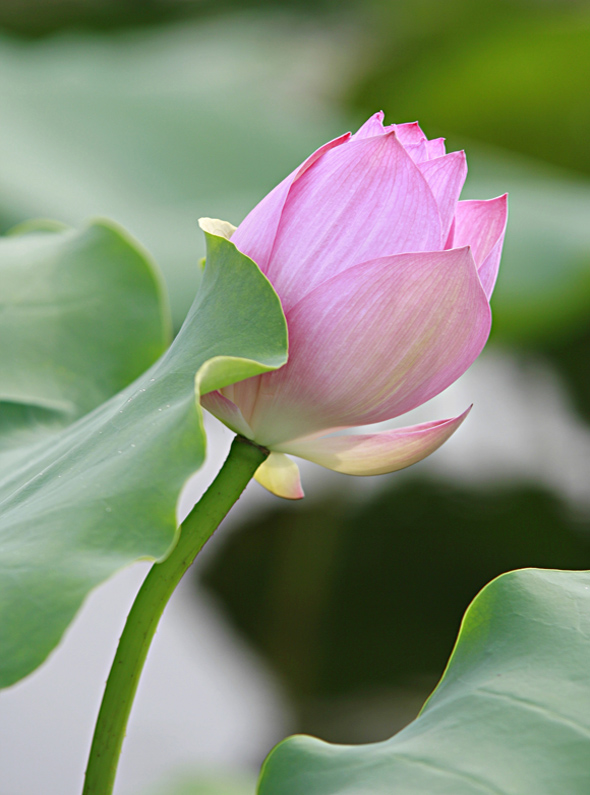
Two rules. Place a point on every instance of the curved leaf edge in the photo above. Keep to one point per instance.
(218, 371)
(290, 745)
(52, 225)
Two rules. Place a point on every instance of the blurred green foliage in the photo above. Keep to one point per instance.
(356, 595)
(38, 18)
(33, 18)
(543, 291)
(571, 360)
(201, 784)
(512, 73)
(510, 713)
(156, 127)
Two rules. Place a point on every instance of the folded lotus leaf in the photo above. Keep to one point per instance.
(87, 487)
(511, 713)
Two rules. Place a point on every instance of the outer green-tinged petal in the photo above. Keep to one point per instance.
(214, 226)
(371, 344)
(376, 453)
(226, 411)
(280, 475)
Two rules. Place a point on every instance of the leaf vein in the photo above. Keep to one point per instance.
(485, 786)
(557, 717)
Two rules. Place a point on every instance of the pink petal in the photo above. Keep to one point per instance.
(409, 133)
(418, 152)
(481, 225)
(436, 148)
(446, 177)
(280, 476)
(360, 201)
(371, 344)
(227, 411)
(373, 126)
(376, 453)
(488, 270)
(451, 235)
(255, 236)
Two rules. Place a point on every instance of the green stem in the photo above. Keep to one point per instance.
(243, 460)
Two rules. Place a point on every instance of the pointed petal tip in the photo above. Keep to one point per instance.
(482, 224)
(315, 156)
(377, 453)
(464, 255)
(501, 201)
(214, 226)
(280, 475)
(372, 127)
(460, 418)
(410, 132)
(256, 235)
(445, 176)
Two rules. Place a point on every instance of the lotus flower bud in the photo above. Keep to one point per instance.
(385, 279)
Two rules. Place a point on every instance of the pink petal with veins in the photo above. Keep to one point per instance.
(359, 201)
(373, 126)
(446, 176)
(376, 453)
(409, 133)
(226, 411)
(436, 148)
(371, 344)
(481, 225)
(418, 152)
(255, 236)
